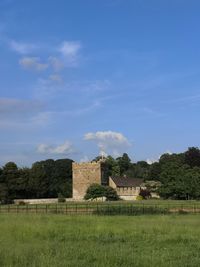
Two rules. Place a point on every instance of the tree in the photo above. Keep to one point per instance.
(154, 171)
(192, 157)
(124, 163)
(49, 178)
(3, 188)
(62, 177)
(11, 173)
(113, 168)
(180, 183)
(39, 182)
(138, 170)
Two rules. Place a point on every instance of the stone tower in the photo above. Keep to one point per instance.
(85, 174)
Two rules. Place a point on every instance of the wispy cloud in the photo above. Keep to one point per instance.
(70, 51)
(33, 63)
(21, 47)
(56, 84)
(55, 78)
(65, 55)
(187, 99)
(64, 149)
(56, 63)
(22, 114)
(13, 105)
(109, 142)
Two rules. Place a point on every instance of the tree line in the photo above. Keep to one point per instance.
(178, 175)
(45, 179)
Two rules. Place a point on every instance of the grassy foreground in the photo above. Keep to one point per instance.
(57, 240)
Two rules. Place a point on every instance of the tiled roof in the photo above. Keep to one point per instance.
(127, 181)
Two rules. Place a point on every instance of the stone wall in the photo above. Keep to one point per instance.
(40, 200)
(85, 174)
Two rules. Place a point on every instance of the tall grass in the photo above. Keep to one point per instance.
(54, 240)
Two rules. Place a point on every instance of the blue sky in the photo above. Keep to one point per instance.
(79, 78)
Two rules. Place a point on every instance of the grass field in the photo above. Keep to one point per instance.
(57, 240)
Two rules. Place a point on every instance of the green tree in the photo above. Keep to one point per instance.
(124, 163)
(112, 166)
(10, 175)
(192, 157)
(49, 178)
(3, 187)
(38, 182)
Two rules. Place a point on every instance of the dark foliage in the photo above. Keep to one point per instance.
(97, 191)
(145, 193)
(45, 179)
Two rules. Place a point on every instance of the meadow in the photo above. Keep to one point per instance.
(42, 240)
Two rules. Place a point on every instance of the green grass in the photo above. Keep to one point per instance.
(103, 241)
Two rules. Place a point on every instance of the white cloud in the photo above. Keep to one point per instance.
(63, 149)
(22, 48)
(33, 63)
(109, 142)
(70, 48)
(153, 160)
(70, 51)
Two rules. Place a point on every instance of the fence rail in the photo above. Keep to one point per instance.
(102, 209)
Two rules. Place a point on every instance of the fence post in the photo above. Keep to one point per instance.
(97, 208)
(194, 208)
(66, 208)
(26, 208)
(46, 208)
(36, 208)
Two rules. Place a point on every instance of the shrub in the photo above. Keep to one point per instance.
(21, 203)
(139, 197)
(97, 190)
(111, 194)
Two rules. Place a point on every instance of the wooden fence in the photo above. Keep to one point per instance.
(101, 209)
